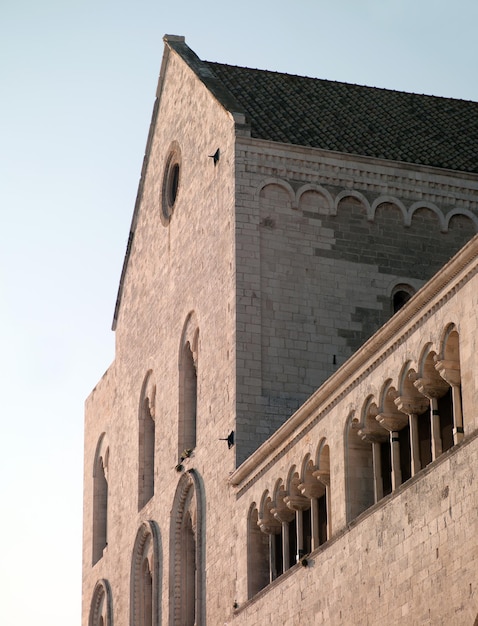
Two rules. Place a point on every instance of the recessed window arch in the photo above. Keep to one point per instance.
(101, 607)
(188, 386)
(287, 518)
(258, 552)
(146, 441)
(145, 577)
(359, 468)
(322, 509)
(100, 499)
(449, 368)
(186, 550)
(439, 393)
(379, 438)
(401, 294)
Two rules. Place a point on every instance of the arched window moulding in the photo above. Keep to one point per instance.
(353, 193)
(145, 579)
(322, 191)
(462, 212)
(279, 183)
(101, 607)
(186, 551)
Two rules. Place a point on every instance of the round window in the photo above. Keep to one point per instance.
(171, 183)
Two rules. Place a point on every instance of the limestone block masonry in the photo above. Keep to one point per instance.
(275, 441)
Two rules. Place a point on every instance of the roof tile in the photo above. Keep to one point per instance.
(427, 130)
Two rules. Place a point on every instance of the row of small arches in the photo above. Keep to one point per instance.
(395, 433)
(331, 204)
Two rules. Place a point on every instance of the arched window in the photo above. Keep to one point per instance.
(287, 519)
(416, 406)
(146, 441)
(100, 499)
(186, 549)
(359, 470)
(379, 438)
(271, 527)
(440, 419)
(101, 607)
(188, 386)
(450, 370)
(145, 577)
(397, 459)
(401, 294)
(258, 553)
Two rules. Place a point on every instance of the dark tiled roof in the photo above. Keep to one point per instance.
(427, 130)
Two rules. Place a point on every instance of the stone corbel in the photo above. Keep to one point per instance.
(280, 511)
(323, 476)
(311, 488)
(269, 525)
(431, 388)
(449, 370)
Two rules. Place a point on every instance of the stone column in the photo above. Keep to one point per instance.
(323, 476)
(313, 489)
(298, 504)
(375, 434)
(433, 388)
(394, 422)
(271, 527)
(413, 405)
(450, 371)
(284, 515)
(377, 471)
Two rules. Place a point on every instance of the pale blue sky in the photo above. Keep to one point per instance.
(77, 86)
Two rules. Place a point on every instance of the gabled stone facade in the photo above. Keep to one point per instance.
(274, 442)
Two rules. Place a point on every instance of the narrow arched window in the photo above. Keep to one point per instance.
(188, 572)
(145, 583)
(186, 563)
(146, 442)
(188, 388)
(450, 370)
(258, 554)
(401, 294)
(189, 399)
(100, 501)
(146, 595)
(359, 476)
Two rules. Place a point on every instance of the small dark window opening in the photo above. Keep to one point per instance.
(400, 298)
(173, 184)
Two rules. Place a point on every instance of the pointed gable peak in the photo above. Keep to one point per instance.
(205, 73)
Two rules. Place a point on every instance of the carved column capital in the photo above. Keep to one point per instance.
(322, 475)
(450, 371)
(392, 421)
(431, 388)
(297, 502)
(269, 525)
(412, 404)
(311, 488)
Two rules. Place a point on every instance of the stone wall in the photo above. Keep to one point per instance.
(319, 254)
(411, 556)
(410, 560)
(172, 270)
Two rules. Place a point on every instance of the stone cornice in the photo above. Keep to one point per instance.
(303, 164)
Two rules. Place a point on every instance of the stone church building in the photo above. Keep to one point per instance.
(288, 433)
